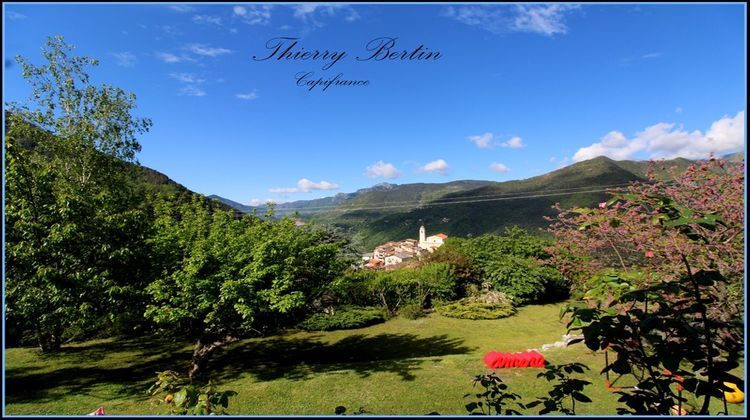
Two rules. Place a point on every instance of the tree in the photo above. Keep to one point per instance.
(672, 324)
(630, 237)
(74, 216)
(224, 278)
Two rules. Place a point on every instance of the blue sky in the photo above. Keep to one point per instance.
(519, 90)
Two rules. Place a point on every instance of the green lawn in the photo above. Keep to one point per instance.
(399, 367)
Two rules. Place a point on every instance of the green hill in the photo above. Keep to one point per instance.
(488, 208)
(463, 208)
(152, 180)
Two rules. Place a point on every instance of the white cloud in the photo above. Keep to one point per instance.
(253, 14)
(124, 59)
(207, 19)
(170, 30)
(169, 57)
(206, 51)
(14, 15)
(668, 141)
(499, 167)
(381, 169)
(485, 141)
(514, 143)
(311, 12)
(247, 96)
(305, 185)
(192, 90)
(678, 110)
(182, 8)
(436, 166)
(191, 81)
(186, 78)
(545, 19)
(482, 141)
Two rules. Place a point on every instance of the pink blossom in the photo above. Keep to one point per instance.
(603, 205)
(99, 412)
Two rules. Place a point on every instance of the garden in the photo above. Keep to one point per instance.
(123, 297)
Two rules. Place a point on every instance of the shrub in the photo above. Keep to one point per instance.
(492, 298)
(412, 311)
(344, 318)
(183, 397)
(525, 279)
(392, 289)
(514, 263)
(492, 305)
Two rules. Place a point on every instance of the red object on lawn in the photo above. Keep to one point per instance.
(499, 360)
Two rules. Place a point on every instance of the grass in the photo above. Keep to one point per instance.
(399, 367)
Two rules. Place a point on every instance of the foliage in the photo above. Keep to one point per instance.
(392, 289)
(411, 311)
(224, 277)
(466, 273)
(627, 232)
(76, 256)
(490, 305)
(565, 387)
(524, 279)
(513, 264)
(182, 397)
(494, 399)
(343, 318)
(673, 326)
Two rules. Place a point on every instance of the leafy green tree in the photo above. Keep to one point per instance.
(223, 277)
(515, 263)
(74, 219)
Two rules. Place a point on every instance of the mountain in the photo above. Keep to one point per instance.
(488, 208)
(233, 204)
(463, 208)
(386, 211)
(379, 195)
(150, 179)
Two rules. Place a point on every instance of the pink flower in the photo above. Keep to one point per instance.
(603, 205)
(649, 254)
(99, 412)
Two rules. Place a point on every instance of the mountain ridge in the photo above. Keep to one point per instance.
(471, 207)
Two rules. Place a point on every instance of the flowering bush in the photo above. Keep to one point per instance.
(675, 319)
(626, 234)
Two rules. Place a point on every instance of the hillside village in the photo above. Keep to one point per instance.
(394, 253)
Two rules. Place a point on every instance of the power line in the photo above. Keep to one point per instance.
(417, 204)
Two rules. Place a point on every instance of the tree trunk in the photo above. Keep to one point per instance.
(49, 341)
(202, 353)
